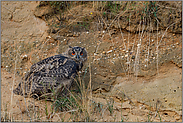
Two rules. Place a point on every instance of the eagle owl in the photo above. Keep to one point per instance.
(53, 73)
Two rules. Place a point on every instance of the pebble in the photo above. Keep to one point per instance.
(165, 100)
(177, 118)
(109, 51)
(138, 45)
(24, 56)
(133, 57)
(127, 62)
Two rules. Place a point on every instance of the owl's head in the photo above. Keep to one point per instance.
(79, 54)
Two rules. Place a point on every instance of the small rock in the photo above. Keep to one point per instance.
(109, 51)
(127, 62)
(133, 57)
(138, 45)
(24, 57)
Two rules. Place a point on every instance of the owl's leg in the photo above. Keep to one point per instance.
(64, 88)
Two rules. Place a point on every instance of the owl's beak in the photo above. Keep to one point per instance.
(77, 56)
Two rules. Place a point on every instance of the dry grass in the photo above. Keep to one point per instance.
(82, 106)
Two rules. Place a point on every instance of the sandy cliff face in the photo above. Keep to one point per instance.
(122, 59)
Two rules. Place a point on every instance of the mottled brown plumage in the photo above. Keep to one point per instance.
(53, 74)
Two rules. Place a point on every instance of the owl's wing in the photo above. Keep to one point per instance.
(50, 71)
(55, 66)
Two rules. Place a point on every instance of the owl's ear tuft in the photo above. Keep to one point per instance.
(70, 47)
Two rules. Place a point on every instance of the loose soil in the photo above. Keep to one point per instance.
(154, 94)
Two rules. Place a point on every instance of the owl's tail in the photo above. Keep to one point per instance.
(18, 90)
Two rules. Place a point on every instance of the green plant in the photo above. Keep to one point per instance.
(150, 9)
(46, 109)
(122, 120)
(113, 7)
(149, 115)
(110, 105)
(159, 116)
(5, 118)
(97, 107)
(59, 5)
(65, 103)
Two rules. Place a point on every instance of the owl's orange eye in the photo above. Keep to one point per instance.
(81, 53)
(73, 53)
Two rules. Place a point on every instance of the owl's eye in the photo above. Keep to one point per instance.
(81, 53)
(73, 53)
